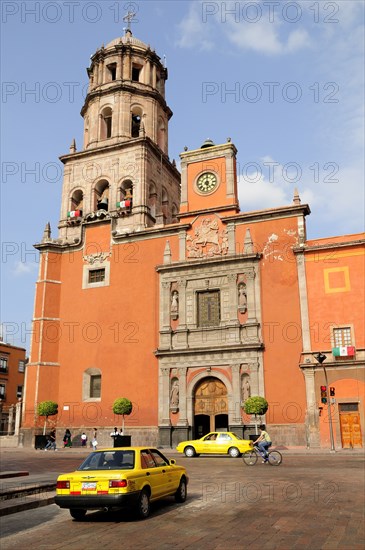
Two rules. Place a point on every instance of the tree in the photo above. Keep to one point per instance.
(122, 406)
(47, 408)
(255, 405)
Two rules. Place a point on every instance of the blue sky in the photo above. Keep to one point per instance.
(284, 80)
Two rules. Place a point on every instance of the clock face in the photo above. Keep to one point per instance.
(207, 182)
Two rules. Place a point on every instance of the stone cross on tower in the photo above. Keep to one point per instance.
(128, 18)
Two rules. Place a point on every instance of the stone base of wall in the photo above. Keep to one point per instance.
(142, 435)
(287, 434)
(154, 436)
(10, 441)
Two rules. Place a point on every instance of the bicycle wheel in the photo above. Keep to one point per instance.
(275, 458)
(249, 458)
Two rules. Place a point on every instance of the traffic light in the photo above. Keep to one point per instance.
(324, 394)
(332, 391)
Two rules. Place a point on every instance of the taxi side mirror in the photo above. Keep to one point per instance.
(172, 461)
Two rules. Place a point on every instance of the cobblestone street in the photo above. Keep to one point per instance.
(311, 501)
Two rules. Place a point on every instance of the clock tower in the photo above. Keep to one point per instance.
(208, 179)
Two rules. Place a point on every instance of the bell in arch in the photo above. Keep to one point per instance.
(103, 203)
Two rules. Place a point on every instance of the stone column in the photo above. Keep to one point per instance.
(165, 305)
(164, 397)
(303, 297)
(231, 231)
(182, 303)
(312, 412)
(148, 72)
(10, 419)
(183, 421)
(251, 297)
(232, 289)
(235, 413)
(182, 245)
(154, 77)
(18, 412)
(255, 382)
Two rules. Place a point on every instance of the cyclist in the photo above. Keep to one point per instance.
(263, 442)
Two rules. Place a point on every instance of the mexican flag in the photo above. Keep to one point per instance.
(124, 204)
(343, 351)
(74, 214)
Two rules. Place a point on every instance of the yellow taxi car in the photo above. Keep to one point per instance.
(119, 478)
(221, 443)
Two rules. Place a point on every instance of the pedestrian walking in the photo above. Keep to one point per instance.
(94, 441)
(67, 439)
(51, 444)
(83, 439)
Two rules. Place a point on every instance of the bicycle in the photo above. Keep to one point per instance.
(250, 458)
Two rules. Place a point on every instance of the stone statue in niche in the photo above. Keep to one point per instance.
(174, 308)
(245, 388)
(174, 396)
(242, 298)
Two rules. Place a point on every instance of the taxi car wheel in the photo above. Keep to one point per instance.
(143, 505)
(233, 452)
(180, 495)
(77, 514)
(189, 452)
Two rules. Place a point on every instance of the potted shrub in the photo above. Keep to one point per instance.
(122, 406)
(257, 406)
(46, 409)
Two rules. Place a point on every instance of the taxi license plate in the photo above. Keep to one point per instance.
(89, 486)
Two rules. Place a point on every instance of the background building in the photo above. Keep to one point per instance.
(12, 373)
(158, 288)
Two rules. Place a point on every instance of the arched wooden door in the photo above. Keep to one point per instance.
(210, 406)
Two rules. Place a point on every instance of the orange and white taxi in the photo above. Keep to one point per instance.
(119, 478)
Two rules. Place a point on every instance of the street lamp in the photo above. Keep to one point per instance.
(320, 357)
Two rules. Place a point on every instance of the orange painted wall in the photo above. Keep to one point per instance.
(281, 321)
(336, 292)
(112, 328)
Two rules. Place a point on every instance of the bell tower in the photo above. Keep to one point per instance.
(123, 174)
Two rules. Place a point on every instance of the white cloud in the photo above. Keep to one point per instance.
(193, 33)
(24, 268)
(264, 37)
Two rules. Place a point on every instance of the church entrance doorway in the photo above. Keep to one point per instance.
(210, 407)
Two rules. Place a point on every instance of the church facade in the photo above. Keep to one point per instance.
(159, 289)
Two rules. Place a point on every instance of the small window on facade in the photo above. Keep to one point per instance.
(112, 68)
(2, 391)
(95, 385)
(106, 123)
(21, 366)
(136, 125)
(96, 275)
(136, 72)
(108, 126)
(208, 308)
(342, 337)
(19, 392)
(3, 364)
